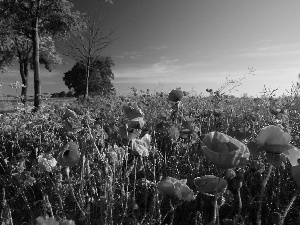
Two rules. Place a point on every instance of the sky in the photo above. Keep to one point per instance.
(192, 44)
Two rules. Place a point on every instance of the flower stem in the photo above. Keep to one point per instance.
(262, 194)
(287, 209)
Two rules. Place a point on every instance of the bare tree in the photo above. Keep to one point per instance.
(86, 46)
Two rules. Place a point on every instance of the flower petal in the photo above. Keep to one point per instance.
(293, 154)
(273, 135)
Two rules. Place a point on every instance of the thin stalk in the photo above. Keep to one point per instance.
(262, 194)
(287, 209)
(215, 219)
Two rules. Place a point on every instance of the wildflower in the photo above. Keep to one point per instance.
(69, 155)
(132, 111)
(67, 222)
(175, 95)
(210, 184)
(141, 146)
(272, 139)
(46, 162)
(173, 187)
(225, 151)
(46, 221)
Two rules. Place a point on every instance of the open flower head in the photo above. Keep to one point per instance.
(175, 95)
(174, 187)
(224, 151)
(272, 139)
(69, 155)
(141, 146)
(293, 156)
(210, 184)
(46, 221)
(46, 162)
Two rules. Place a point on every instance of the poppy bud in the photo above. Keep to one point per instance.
(276, 217)
(65, 172)
(237, 182)
(229, 173)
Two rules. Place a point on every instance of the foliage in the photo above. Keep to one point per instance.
(100, 77)
(114, 182)
(33, 20)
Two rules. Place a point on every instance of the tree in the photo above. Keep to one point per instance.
(35, 18)
(99, 82)
(87, 47)
(19, 48)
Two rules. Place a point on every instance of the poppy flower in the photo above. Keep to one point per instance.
(174, 187)
(69, 155)
(210, 184)
(46, 221)
(293, 156)
(67, 222)
(132, 111)
(224, 151)
(175, 95)
(272, 139)
(46, 162)
(141, 146)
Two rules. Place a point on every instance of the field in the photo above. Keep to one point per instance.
(152, 159)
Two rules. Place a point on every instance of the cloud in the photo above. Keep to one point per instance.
(158, 47)
(271, 51)
(130, 55)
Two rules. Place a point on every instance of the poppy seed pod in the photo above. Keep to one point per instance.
(276, 217)
(224, 151)
(69, 155)
(175, 95)
(210, 184)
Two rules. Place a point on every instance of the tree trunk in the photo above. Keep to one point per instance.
(36, 64)
(87, 77)
(24, 76)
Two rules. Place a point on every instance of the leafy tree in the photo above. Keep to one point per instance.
(35, 18)
(87, 47)
(70, 94)
(99, 82)
(62, 94)
(19, 48)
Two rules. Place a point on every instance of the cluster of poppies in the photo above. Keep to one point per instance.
(228, 153)
(139, 146)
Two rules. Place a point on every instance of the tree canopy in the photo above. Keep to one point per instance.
(100, 78)
(33, 19)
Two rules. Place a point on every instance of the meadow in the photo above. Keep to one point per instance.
(163, 158)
